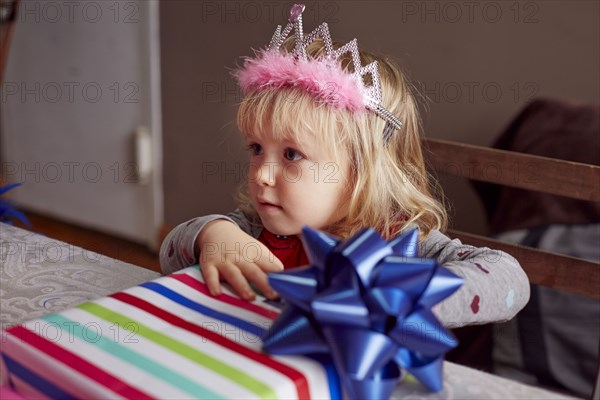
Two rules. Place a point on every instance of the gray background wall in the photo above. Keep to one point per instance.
(478, 62)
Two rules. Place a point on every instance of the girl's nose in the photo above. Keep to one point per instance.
(266, 173)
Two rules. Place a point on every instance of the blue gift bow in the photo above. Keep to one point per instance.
(7, 210)
(368, 303)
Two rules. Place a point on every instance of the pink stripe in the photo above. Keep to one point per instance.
(77, 363)
(225, 298)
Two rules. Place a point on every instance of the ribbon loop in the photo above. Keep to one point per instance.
(318, 246)
(300, 285)
(293, 333)
(363, 252)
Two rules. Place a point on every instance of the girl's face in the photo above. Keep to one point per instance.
(294, 184)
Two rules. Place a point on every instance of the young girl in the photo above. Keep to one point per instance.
(334, 140)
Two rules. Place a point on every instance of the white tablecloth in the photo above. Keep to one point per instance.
(40, 275)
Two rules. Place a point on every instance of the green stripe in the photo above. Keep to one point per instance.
(130, 356)
(259, 388)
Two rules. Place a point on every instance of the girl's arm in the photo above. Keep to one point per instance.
(495, 286)
(178, 249)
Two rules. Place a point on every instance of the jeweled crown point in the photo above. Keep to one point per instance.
(296, 11)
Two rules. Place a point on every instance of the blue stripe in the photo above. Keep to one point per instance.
(184, 301)
(335, 389)
(35, 380)
(332, 375)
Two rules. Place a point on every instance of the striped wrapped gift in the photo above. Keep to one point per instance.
(167, 338)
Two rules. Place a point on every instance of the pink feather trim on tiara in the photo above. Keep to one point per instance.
(327, 82)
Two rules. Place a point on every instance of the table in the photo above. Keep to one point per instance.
(40, 275)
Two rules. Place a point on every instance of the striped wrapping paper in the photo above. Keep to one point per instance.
(166, 339)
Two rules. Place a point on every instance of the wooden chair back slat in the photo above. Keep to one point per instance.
(544, 268)
(541, 174)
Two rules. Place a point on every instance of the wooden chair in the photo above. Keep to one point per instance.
(564, 178)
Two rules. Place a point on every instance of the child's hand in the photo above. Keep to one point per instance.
(228, 253)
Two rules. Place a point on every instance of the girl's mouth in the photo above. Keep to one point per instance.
(265, 206)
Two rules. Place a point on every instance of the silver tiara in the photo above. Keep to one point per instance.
(357, 95)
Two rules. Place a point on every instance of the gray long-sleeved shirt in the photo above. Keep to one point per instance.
(495, 286)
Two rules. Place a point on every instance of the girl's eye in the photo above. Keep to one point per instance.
(292, 155)
(255, 148)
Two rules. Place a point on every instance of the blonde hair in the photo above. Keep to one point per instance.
(389, 186)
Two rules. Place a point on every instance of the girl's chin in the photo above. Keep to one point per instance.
(277, 229)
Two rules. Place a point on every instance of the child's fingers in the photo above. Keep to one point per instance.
(268, 262)
(211, 278)
(232, 274)
(257, 276)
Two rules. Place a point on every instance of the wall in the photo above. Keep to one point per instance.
(478, 62)
(81, 78)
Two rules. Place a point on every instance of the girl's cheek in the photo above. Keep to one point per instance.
(293, 173)
(252, 174)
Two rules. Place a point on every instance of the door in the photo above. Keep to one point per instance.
(81, 121)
